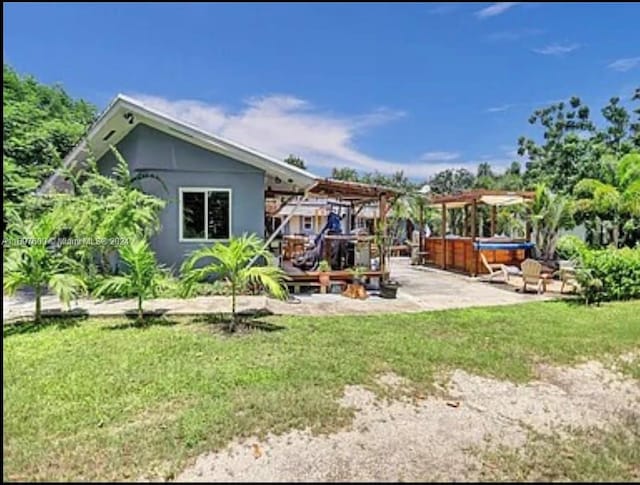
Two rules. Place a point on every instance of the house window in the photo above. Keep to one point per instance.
(205, 214)
(307, 223)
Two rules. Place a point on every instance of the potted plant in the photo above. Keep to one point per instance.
(358, 275)
(356, 289)
(382, 241)
(324, 268)
(388, 289)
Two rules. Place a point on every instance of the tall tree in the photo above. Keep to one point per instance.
(296, 162)
(557, 160)
(40, 125)
(451, 181)
(615, 136)
(485, 178)
(635, 125)
(345, 173)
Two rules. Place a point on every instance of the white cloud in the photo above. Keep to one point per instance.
(280, 125)
(501, 108)
(495, 9)
(557, 49)
(624, 65)
(439, 156)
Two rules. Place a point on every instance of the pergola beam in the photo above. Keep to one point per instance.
(470, 196)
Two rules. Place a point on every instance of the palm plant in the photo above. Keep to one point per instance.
(233, 263)
(613, 202)
(35, 262)
(550, 212)
(142, 277)
(399, 212)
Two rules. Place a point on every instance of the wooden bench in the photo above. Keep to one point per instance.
(296, 285)
(423, 257)
(397, 250)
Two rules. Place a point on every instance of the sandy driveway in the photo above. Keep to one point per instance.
(433, 438)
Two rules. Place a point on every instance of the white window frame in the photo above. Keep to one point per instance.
(304, 223)
(204, 190)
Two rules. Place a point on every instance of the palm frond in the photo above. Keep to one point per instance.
(67, 286)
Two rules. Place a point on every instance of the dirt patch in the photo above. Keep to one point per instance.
(432, 438)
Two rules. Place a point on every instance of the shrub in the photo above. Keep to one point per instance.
(571, 247)
(610, 274)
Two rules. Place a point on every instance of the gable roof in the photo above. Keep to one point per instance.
(124, 113)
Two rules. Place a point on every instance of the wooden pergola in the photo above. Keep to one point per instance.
(462, 252)
(355, 195)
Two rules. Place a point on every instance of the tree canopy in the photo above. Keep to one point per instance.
(296, 162)
(41, 124)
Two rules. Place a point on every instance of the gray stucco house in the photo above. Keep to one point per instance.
(216, 188)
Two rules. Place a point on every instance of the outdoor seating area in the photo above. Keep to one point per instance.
(350, 254)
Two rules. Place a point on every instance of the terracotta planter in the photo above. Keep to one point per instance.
(325, 279)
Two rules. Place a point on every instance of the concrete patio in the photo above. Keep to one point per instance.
(422, 289)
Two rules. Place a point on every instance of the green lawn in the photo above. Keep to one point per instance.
(101, 400)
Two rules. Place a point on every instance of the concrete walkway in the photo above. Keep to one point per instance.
(422, 289)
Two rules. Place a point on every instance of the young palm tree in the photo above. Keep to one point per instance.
(549, 213)
(142, 277)
(35, 262)
(231, 262)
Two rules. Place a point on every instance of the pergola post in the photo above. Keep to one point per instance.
(444, 235)
(383, 222)
(494, 213)
(474, 222)
(465, 229)
(421, 235)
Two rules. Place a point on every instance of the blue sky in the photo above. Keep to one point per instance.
(385, 86)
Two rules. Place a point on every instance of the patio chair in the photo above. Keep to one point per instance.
(495, 269)
(532, 274)
(567, 275)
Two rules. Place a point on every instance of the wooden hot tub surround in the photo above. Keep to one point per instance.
(462, 252)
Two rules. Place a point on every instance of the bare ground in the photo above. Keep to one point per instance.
(434, 438)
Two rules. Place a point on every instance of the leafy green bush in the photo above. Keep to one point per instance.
(570, 247)
(610, 274)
